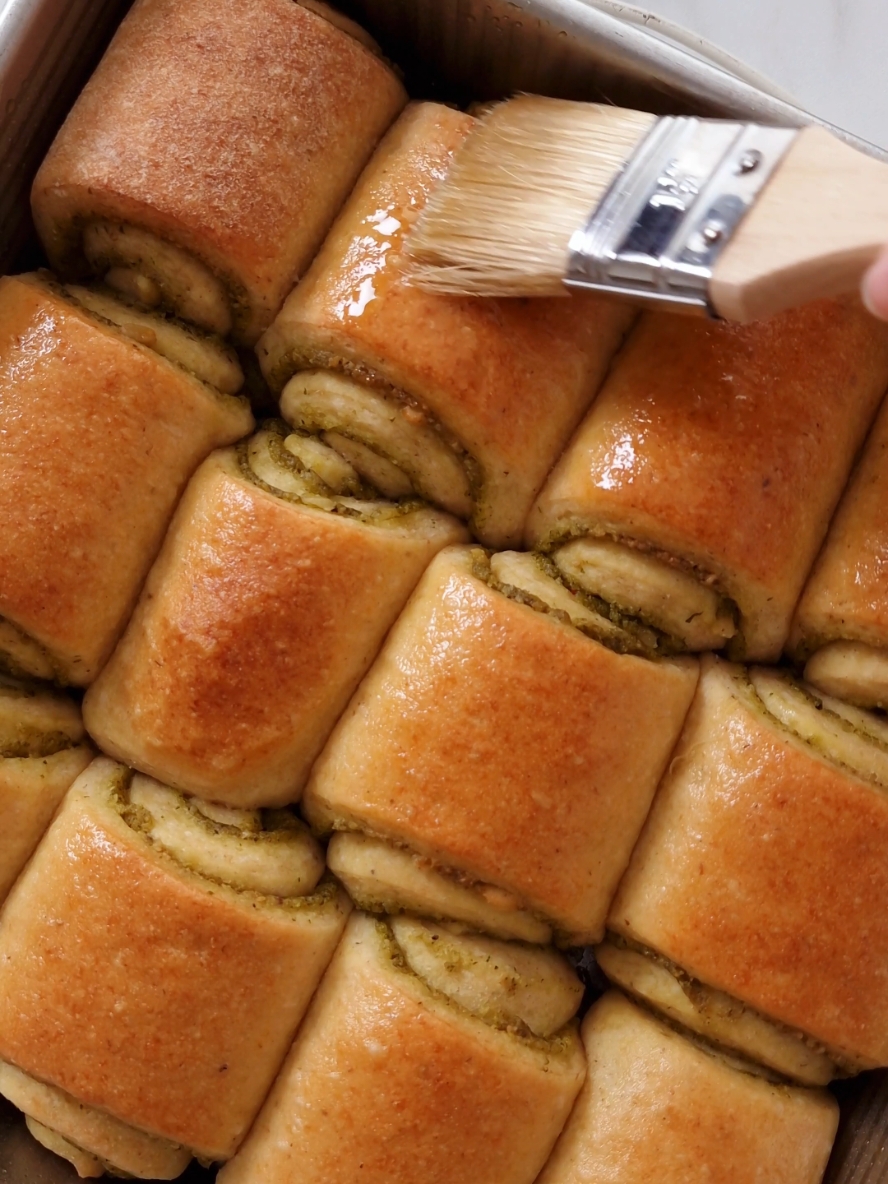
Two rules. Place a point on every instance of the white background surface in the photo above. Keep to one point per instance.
(831, 55)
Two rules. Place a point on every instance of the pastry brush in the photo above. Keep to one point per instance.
(734, 219)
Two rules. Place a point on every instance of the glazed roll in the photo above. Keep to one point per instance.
(841, 625)
(659, 1106)
(43, 748)
(697, 491)
(156, 958)
(750, 910)
(100, 434)
(427, 1057)
(499, 759)
(278, 580)
(205, 160)
(465, 402)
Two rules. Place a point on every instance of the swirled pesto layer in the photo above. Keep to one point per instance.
(269, 852)
(717, 1017)
(526, 990)
(301, 468)
(653, 590)
(36, 723)
(140, 265)
(392, 443)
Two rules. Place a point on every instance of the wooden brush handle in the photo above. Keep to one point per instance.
(815, 229)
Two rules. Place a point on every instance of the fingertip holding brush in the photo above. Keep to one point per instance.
(732, 219)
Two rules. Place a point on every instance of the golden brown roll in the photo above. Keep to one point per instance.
(656, 1106)
(500, 757)
(426, 1058)
(156, 958)
(278, 580)
(100, 435)
(697, 491)
(42, 749)
(841, 624)
(756, 884)
(466, 402)
(204, 161)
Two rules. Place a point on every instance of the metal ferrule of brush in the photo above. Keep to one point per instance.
(659, 229)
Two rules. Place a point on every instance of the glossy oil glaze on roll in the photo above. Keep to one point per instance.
(841, 625)
(427, 1055)
(464, 402)
(499, 759)
(209, 153)
(100, 435)
(750, 909)
(279, 578)
(697, 491)
(170, 949)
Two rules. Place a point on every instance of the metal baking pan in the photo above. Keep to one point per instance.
(455, 51)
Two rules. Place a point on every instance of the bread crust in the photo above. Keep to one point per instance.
(509, 379)
(141, 989)
(657, 1107)
(728, 447)
(31, 786)
(230, 128)
(760, 870)
(388, 1084)
(101, 436)
(499, 741)
(845, 597)
(256, 624)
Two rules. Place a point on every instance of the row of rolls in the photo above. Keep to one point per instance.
(497, 753)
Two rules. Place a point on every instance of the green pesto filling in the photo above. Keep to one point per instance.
(669, 646)
(560, 1043)
(820, 748)
(637, 637)
(10, 668)
(698, 993)
(60, 291)
(295, 360)
(387, 512)
(75, 265)
(28, 743)
(281, 825)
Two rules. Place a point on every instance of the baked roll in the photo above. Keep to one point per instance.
(156, 958)
(658, 1106)
(841, 624)
(202, 165)
(697, 491)
(43, 748)
(465, 402)
(426, 1058)
(498, 761)
(750, 910)
(278, 580)
(100, 435)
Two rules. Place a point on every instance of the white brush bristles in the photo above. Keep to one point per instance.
(529, 174)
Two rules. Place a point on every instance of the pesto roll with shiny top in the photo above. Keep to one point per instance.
(499, 759)
(697, 492)
(256, 117)
(750, 909)
(171, 947)
(660, 1105)
(427, 1056)
(100, 434)
(841, 625)
(278, 580)
(466, 403)
(43, 747)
